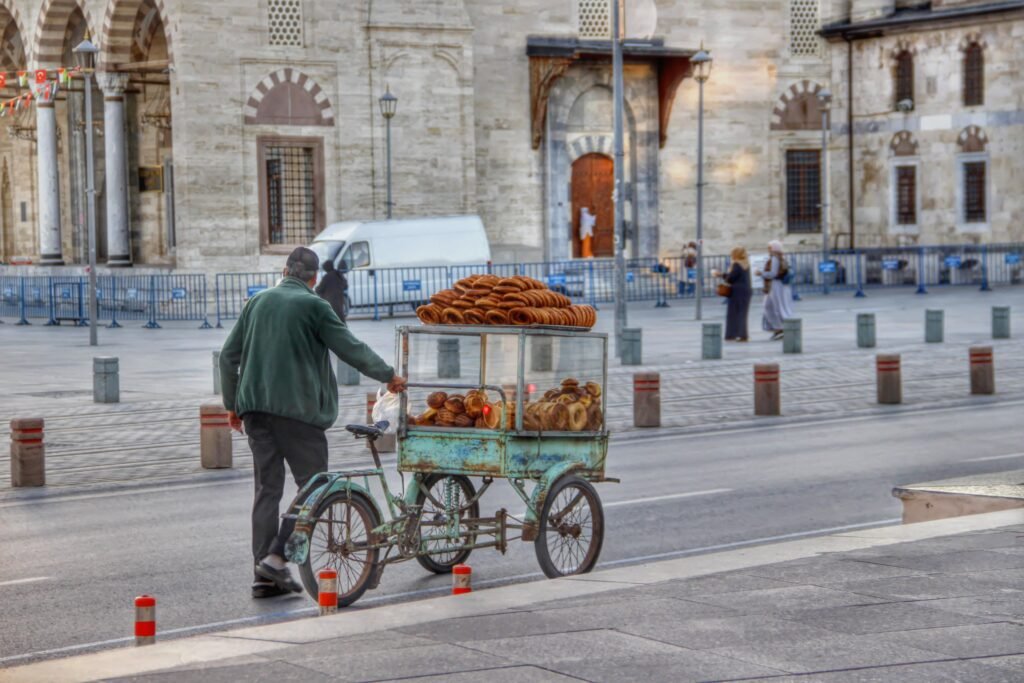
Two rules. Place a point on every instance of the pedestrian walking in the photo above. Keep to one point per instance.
(740, 292)
(688, 278)
(332, 288)
(778, 298)
(277, 381)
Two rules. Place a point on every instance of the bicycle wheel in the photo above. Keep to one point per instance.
(433, 511)
(340, 541)
(571, 528)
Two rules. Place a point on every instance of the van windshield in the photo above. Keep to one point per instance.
(327, 251)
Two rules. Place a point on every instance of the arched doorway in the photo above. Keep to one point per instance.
(593, 181)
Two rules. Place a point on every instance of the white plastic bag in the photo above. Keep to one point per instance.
(386, 409)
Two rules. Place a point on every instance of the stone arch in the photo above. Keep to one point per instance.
(289, 97)
(798, 108)
(119, 28)
(972, 139)
(51, 29)
(903, 144)
(973, 38)
(579, 87)
(590, 144)
(12, 49)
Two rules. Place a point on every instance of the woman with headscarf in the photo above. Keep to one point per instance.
(738, 278)
(778, 298)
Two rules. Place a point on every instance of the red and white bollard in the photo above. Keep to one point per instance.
(145, 620)
(327, 591)
(462, 579)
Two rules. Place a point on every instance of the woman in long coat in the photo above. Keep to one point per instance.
(739, 295)
(778, 300)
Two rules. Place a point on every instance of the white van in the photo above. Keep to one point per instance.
(402, 261)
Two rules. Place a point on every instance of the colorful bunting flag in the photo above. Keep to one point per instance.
(40, 76)
(3, 80)
(22, 79)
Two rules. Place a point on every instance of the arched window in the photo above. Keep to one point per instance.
(974, 75)
(904, 78)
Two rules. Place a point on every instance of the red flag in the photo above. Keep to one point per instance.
(40, 76)
(3, 80)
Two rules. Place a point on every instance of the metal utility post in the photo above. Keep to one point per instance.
(825, 100)
(618, 196)
(701, 63)
(86, 53)
(388, 106)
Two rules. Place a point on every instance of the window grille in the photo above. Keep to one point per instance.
(974, 192)
(974, 75)
(291, 198)
(906, 195)
(904, 77)
(595, 19)
(803, 28)
(284, 19)
(803, 190)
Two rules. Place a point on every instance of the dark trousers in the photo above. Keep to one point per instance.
(275, 440)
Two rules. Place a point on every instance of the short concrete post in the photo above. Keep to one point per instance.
(348, 376)
(865, 330)
(792, 336)
(646, 399)
(1000, 322)
(214, 437)
(28, 452)
(447, 358)
(216, 373)
(933, 326)
(105, 385)
(632, 341)
(983, 370)
(145, 620)
(767, 397)
(711, 341)
(327, 591)
(541, 354)
(889, 378)
(386, 443)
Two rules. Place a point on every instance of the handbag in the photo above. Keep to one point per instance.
(724, 289)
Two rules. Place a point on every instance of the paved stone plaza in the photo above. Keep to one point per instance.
(165, 374)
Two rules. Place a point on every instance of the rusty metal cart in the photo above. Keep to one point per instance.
(436, 518)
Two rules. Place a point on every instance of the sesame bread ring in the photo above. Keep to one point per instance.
(533, 283)
(452, 316)
(593, 388)
(594, 417)
(474, 316)
(510, 283)
(505, 289)
(487, 280)
(445, 418)
(436, 400)
(492, 417)
(474, 404)
(509, 305)
(522, 316)
(558, 417)
(478, 292)
(570, 383)
(444, 298)
(487, 303)
(496, 316)
(466, 421)
(429, 314)
(456, 404)
(577, 417)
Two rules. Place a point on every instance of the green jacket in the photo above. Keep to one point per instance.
(276, 358)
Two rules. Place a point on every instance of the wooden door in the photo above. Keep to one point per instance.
(593, 179)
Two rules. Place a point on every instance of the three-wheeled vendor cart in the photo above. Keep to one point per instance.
(537, 394)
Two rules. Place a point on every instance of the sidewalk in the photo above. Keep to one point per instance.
(937, 601)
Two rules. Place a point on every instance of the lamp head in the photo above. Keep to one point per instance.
(701, 63)
(825, 98)
(85, 53)
(388, 103)
(905, 105)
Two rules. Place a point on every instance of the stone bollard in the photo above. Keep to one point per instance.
(632, 340)
(216, 373)
(767, 397)
(448, 358)
(865, 330)
(386, 443)
(348, 376)
(541, 354)
(646, 399)
(792, 336)
(28, 452)
(711, 341)
(105, 385)
(214, 437)
(933, 324)
(1000, 322)
(889, 378)
(983, 370)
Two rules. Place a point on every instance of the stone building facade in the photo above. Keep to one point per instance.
(229, 131)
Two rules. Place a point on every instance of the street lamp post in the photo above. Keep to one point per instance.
(618, 87)
(701, 63)
(85, 53)
(825, 100)
(388, 106)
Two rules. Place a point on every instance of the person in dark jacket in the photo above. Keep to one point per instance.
(276, 377)
(332, 289)
(738, 277)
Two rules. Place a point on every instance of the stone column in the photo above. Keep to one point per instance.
(49, 183)
(118, 245)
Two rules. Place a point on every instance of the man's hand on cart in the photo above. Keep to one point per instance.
(397, 384)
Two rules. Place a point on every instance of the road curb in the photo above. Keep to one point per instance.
(263, 639)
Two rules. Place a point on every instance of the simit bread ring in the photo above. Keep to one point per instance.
(570, 382)
(474, 316)
(474, 404)
(594, 418)
(466, 421)
(509, 305)
(496, 316)
(593, 388)
(492, 417)
(480, 423)
(522, 316)
(429, 314)
(577, 417)
(444, 298)
(558, 417)
(436, 400)
(452, 316)
(487, 303)
(445, 418)
(510, 282)
(456, 404)
(487, 281)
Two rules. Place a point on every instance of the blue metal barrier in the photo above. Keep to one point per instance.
(233, 290)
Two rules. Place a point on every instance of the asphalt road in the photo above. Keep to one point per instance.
(70, 566)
